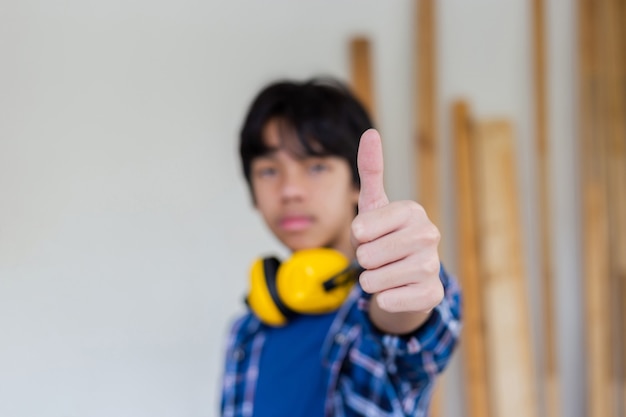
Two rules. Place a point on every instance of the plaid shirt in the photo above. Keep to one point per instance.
(368, 373)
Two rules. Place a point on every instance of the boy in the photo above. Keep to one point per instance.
(314, 167)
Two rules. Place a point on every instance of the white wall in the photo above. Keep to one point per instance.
(125, 227)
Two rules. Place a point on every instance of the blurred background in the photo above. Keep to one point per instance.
(126, 229)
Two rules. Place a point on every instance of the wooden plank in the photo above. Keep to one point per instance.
(361, 72)
(620, 183)
(472, 341)
(596, 263)
(615, 121)
(426, 145)
(550, 372)
(507, 320)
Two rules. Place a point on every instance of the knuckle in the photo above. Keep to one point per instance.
(388, 303)
(369, 282)
(435, 295)
(431, 267)
(358, 229)
(415, 209)
(366, 282)
(363, 257)
(406, 210)
(431, 234)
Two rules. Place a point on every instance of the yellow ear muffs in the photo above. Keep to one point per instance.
(312, 281)
(262, 298)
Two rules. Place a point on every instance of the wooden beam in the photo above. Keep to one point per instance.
(596, 262)
(613, 71)
(427, 141)
(620, 183)
(361, 72)
(426, 133)
(550, 371)
(472, 341)
(507, 319)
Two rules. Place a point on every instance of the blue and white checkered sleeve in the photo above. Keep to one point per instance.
(427, 351)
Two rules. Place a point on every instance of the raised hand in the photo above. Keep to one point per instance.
(397, 244)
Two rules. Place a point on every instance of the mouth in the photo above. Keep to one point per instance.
(295, 223)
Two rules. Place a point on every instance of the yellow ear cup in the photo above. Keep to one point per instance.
(260, 299)
(300, 281)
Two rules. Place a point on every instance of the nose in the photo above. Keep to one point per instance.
(293, 186)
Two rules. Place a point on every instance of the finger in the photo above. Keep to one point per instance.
(390, 276)
(413, 269)
(370, 166)
(398, 246)
(385, 250)
(412, 297)
(368, 226)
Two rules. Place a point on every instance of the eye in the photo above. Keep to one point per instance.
(265, 171)
(318, 166)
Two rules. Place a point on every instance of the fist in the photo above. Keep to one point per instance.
(395, 242)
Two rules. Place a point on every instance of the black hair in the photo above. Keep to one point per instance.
(324, 114)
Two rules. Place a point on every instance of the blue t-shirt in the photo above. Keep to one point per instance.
(292, 381)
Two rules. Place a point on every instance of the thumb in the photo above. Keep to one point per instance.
(370, 166)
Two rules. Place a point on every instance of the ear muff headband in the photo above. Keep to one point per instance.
(348, 275)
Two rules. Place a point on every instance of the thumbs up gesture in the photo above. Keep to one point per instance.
(397, 244)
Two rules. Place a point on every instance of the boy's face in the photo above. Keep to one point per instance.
(306, 201)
